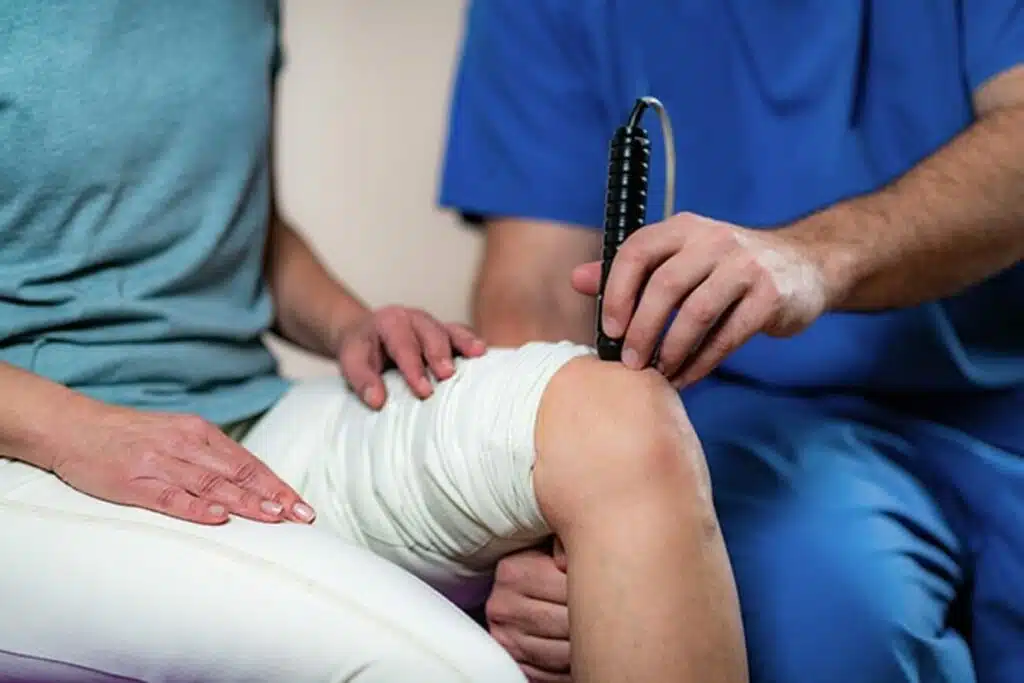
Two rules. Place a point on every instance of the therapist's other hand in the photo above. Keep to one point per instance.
(178, 465)
(411, 339)
(528, 613)
(728, 283)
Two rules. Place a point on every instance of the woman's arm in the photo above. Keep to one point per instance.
(178, 465)
(311, 307)
(31, 410)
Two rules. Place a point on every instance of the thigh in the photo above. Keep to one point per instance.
(442, 487)
(846, 566)
(983, 487)
(99, 592)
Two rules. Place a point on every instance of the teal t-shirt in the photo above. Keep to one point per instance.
(134, 198)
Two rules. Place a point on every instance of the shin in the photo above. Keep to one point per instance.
(620, 478)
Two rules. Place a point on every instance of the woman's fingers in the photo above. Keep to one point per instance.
(402, 345)
(362, 362)
(172, 500)
(266, 494)
(216, 489)
(465, 340)
(435, 344)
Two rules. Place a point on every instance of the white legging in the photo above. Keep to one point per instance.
(436, 489)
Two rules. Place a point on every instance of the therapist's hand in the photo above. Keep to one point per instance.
(528, 613)
(727, 282)
(410, 339)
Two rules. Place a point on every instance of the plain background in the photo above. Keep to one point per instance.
(362, 115)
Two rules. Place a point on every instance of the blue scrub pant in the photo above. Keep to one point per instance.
(870, 544)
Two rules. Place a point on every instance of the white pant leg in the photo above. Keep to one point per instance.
(92, 592)
(95, 593)
(442, 487)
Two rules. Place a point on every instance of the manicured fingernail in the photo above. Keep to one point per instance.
(217, 510)
(271, 507)
(630, 359)
(303, 512)
(611, 327)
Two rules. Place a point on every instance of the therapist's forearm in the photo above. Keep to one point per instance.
(954, 220)
(311, 306)
(505, 316)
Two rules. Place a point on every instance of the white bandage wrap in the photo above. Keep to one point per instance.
(442, 486)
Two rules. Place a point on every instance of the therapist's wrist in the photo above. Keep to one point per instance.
(829, 242)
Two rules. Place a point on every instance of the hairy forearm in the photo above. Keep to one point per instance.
(34, 409)
(954, 220)
(311, 307)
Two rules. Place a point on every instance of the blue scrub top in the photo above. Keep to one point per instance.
(779, 109)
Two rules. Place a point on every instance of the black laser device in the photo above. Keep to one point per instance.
(625, 211)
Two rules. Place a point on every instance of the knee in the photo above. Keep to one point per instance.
(609, 437)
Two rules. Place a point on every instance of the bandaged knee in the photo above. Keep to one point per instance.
(443, 486)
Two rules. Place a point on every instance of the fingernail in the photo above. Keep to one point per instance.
(368, 396)
(446, 367)
(425, 387)
(611, 327)
(303, 512)
(271, 507)
(217, 510)
(630, 359)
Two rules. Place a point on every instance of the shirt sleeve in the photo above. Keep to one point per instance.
(993, 38)
(528, 133)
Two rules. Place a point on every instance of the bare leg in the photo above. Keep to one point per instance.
(621, 478)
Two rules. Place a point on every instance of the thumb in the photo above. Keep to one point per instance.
(559, 554)
(586, 279)
(361, 364)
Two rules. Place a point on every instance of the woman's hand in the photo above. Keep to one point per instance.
(405, 337)
(179, 465)
(727, 283)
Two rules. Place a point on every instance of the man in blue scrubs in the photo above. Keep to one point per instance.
(850, 335)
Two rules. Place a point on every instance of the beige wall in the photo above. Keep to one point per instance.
(362, 113)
